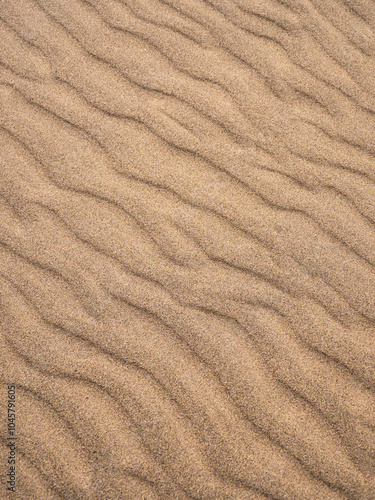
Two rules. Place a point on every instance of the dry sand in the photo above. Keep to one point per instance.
(187, 248)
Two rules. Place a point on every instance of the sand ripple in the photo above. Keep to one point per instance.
(187, 247)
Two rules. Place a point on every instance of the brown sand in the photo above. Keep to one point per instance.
(187, 248)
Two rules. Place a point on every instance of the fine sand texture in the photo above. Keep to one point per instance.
(187, 249)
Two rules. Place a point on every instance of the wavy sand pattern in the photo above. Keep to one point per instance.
(187, 248)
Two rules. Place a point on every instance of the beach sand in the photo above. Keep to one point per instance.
(187, 249)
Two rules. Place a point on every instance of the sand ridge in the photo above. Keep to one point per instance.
(187, 248)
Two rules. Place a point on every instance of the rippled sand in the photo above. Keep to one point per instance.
(187, 248)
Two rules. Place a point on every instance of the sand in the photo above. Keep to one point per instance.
(187, 249)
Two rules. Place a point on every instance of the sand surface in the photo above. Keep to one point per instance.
(187, 248)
